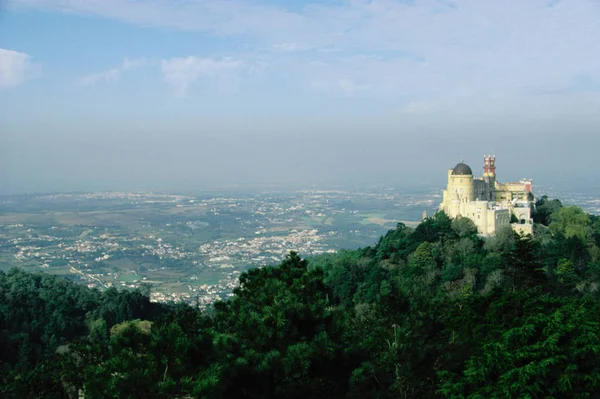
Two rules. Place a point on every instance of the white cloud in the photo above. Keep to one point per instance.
(418, 108)
(290, 46)
(423, 25)
(345, 86)
(113, 74)
(16, 68)
(135, 63)
(109, 75)
(181, 73)
(425, 49)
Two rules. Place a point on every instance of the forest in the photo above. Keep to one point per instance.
(431, 312)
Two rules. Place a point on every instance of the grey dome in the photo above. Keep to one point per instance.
(462, 169)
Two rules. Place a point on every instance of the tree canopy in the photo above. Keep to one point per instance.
(435, 311)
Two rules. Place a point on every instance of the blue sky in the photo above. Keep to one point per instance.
(79, 71)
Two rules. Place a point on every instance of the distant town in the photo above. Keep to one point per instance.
(188, 248)
(193, 248)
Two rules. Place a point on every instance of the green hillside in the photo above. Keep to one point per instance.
(434, 311)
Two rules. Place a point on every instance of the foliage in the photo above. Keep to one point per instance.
(571, 221)
(434, 311)
(544, 208)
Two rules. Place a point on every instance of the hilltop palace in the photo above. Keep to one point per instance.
(489, 204)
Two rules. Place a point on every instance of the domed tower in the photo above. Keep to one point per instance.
(460, 190)
(460, 182)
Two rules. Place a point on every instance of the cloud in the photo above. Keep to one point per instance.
(289, 46)
(418, 108)
(16, 68)
(113, 74)
(109, 75)
(181, 73)
(422, 25)
(422, 49)
(345, 86)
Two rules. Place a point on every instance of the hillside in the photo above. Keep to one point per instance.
(434, 311)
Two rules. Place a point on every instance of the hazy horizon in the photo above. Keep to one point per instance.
(160, 95)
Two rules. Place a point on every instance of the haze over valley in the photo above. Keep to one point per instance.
(158, 96)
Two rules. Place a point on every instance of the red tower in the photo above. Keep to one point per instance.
(489, 176)
(489, 165)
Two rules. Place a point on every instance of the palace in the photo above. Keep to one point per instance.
(489, 204)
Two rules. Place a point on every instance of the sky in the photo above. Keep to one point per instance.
(176, 94)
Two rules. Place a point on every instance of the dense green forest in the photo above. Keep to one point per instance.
(434, 311)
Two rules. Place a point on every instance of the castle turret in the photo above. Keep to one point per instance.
(460, 190)
(489, 165)
(489, 176)
(461, 182)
